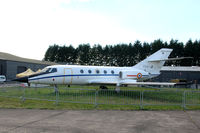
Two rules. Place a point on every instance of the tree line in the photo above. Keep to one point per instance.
(123, 54)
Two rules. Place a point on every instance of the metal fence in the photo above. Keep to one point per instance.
(97, 97)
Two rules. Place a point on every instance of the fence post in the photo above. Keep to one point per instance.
(95, 100)
(23, 95)
(184, 100)
(141, 99)
(57, 97)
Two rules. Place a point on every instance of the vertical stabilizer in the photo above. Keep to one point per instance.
(154, 63)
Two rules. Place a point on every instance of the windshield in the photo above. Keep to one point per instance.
(49, 70)
(44, 70)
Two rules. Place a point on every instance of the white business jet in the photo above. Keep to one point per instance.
(103, 75)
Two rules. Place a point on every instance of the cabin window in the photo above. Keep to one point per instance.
(81, 71)
(112, 72)
(105, 72)
(97, 71)
(89, 71)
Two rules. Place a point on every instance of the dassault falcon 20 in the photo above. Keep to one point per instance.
(103, 75)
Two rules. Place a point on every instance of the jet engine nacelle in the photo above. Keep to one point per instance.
(131, 74)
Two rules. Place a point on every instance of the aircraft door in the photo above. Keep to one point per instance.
(68, 76)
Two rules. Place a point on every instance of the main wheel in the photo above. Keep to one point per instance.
(103, 87)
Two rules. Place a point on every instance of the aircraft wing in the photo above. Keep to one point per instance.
(104, 82)
(128, 82)
(149, 83)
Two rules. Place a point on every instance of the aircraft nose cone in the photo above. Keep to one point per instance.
(22, 79)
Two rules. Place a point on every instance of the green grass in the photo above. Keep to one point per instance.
(71, 98)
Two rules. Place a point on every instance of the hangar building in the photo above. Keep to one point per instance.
(10, 65)
(188, 74)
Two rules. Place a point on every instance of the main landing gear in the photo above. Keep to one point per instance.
(103, 87)
(117, 89)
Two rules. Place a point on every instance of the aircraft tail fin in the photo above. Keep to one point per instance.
(154, 63)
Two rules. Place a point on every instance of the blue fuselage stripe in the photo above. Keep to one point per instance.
(56, 76)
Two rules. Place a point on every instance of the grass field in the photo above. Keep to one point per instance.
(129, 98)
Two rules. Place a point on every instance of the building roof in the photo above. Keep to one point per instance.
(179, 68)
(10, 57)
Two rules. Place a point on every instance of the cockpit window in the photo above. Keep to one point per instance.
(53, 70)
(44, 70)
(49, 70)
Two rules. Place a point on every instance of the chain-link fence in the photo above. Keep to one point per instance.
(141, 98)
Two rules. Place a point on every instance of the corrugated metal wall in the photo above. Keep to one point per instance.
(166, 76)
(12, 68)
(2, 67)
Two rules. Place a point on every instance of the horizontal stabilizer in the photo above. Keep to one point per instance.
(170, 59)
(128, 82)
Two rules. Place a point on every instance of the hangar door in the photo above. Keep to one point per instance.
(21, 69)
(1, 69)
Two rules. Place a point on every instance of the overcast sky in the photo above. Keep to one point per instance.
(28, 27)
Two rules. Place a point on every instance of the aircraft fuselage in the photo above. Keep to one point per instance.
(71, 74)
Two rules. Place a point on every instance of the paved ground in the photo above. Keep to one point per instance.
(93, 121)
(9, 84)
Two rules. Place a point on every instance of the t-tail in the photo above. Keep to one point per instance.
(155, 62)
